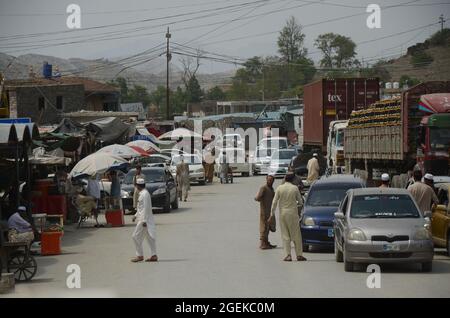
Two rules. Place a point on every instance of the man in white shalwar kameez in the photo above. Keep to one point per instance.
(145, 227)
(313, 169)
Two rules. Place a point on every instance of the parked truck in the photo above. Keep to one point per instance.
(328, 100)
(400, 134)
(335, 146)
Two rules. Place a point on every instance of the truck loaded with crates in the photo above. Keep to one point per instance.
(401, 134)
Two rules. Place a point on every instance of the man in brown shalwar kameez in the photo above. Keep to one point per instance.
(265, 198)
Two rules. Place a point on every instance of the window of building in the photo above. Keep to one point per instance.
(59, 102)
(41, 103)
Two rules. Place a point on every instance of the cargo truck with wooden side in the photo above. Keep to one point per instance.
(398, 135)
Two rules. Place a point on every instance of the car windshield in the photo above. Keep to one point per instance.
(331, 195)
(274, 143)
(153, 159)
(383, 206)
(151, 176)
(284, 155)
(340, 138)
(262, 153)
(189, 159)
(440, 139)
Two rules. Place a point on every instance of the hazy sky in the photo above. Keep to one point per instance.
(118, 31)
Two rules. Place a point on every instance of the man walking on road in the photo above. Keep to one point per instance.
(145, 227)
(313, 169)
(289, 198)
(422, 193)
(137, 176)
(265, 198)
(183, 182)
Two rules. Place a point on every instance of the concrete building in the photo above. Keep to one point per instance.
(46, 100)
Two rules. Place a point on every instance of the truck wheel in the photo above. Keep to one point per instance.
(245, 174)
(427, 267)
(337, 253)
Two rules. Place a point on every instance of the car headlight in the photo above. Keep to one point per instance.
(356, 235)
(159, 191)
(422, 234)
(200, 170)
(125, 194)
(309, 221)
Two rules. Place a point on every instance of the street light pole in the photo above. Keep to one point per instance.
(168, 57)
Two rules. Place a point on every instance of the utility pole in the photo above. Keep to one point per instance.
(442, 21)
(168, 57)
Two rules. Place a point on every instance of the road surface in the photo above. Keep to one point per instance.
(209, 248)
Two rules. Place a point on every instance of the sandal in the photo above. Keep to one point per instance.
(137, 259)
(154, 258)
(288, 258)
(301, 258)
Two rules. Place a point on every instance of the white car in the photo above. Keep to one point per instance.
(236, 159)
(261, 160)
(279, 161)
(274, 142)
(196, 170)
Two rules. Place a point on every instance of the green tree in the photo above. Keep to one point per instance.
(194, 93)
(409, 81)
(215, 93)
(139, 94)
(291, 41)
(338, 51)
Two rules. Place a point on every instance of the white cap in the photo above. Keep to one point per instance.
(21, 208)
(428, 176)
(384, 177)
(140, 181)
(315, 155)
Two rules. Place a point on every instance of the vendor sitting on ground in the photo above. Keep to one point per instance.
(20, 230)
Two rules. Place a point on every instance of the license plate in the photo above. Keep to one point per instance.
(391, 247)
(330, 232)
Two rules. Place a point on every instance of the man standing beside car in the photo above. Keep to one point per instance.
(422, 193)
(265, 198)
(183, 182)
(289, 198)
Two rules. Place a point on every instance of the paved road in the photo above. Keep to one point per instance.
(209, 248)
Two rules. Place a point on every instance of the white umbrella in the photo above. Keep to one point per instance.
(97, 163)
(179, 133)
(120, 151)
(144, 144)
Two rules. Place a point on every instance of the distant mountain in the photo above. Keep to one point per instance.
(103, 70)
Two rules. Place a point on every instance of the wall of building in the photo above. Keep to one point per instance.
(27, 101)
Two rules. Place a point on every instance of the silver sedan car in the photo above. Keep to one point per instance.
(382, 225)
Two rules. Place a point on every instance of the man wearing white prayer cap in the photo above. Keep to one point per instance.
(384, 180)
(423, 193)
(145, 227)
(313, 169)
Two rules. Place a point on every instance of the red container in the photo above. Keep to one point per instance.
(39, 204)
(57, 204)
(42, 186)
(115, 218)
(51, 243)
(334, 99)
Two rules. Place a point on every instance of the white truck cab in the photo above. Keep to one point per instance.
(335, 146)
